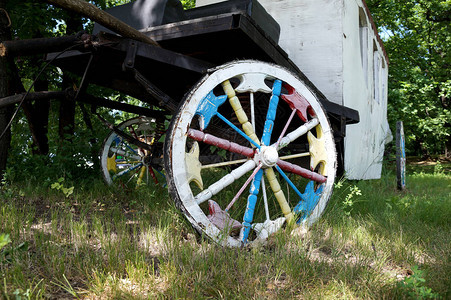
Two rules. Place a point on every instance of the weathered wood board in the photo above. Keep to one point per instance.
(335, 44)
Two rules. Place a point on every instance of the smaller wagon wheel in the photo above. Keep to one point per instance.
(126, 164)
(280, 168)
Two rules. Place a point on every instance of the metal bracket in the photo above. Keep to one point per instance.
(129, 62)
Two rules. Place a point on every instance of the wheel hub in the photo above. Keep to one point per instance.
(147, 160)
(268, 156)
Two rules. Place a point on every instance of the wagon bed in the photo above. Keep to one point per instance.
(189, 49)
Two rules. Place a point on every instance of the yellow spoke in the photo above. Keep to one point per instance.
(241, 115)
(142, 171)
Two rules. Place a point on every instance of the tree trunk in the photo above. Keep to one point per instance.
(67, 108)
(38, 113)
(6, 89)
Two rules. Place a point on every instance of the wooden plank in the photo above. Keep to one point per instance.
(150, 52)
(183, 29)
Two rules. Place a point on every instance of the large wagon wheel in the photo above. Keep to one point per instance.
(281, 127)
(126, 164)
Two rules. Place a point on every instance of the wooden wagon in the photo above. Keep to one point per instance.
(252, 145)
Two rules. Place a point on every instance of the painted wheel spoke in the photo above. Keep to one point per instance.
(219, 142)
(297, 102)
(265, 200)
(295, 169)
(122, 173)
(290, 183)
(243, 134)
(224, 182)
(152, 173)
(293, 156)
(226, 163)
(123, 142)
(111, 163)
(253, 83)
(252, 103)
(271, 114)
(239, 112)
(286, 127)
(125, 153)
(243, 187)
(250, 208)
(142, 172)
(278, 193)
(300, 131)
(209, 108)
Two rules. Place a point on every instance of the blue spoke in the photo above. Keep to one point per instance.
(311, 200)
(238, 130)
(290, 182)
(251, 202)
(271, 114)
(127, 171)
(128, 146)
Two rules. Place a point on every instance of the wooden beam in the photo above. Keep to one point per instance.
(92, 12)
(86, 98)
(10, 100)
(40, 45)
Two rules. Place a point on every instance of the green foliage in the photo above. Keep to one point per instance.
(188, 3)
(417, 40)
(4, 240)
(350, 192)
(414, 285)
(59, 186)
(75, 157)
(438, 168)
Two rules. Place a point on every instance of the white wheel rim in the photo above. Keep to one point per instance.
(106, 147)
(179, 136)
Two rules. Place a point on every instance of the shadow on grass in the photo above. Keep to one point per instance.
(116, 244)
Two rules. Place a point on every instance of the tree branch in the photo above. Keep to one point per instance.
(92, 12)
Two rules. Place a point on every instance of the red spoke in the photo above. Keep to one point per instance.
(152, 173)
(219, 142)
(295, 169)
(285, 128)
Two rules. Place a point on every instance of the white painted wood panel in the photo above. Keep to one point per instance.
(362, 84)
(326, 40)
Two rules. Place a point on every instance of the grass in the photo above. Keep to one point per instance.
(103, 242)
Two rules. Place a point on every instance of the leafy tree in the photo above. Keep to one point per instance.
(6, 82)
(416, 37)
(55, 132)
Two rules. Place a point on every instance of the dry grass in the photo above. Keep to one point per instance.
(106, 243)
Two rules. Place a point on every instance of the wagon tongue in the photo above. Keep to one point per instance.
(221, 218)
